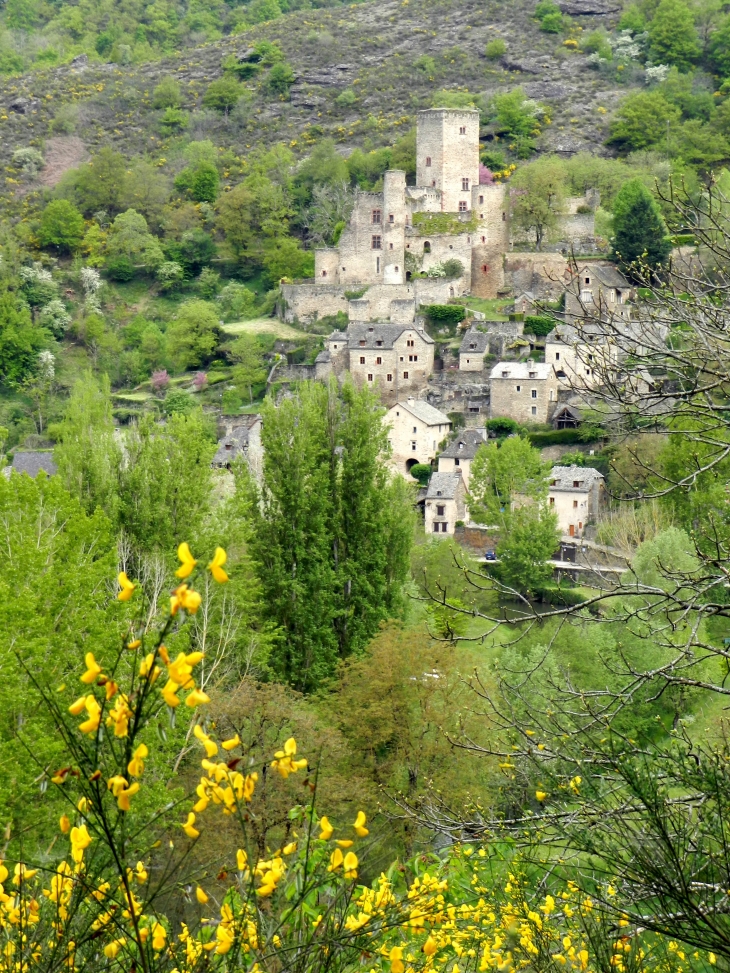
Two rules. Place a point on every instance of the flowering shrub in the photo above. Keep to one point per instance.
(115, 891)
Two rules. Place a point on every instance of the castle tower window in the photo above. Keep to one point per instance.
(377, 243)
(426, 246)
(377, 265)
(362, 341)
(390, 247)
(362, 360)
(370, 378)
(481, 199)
(434, 184)
(504, 217)
(428, 160)
(391, 218)
(378, 361)
(324, 273)
(377, 216)
(485, 268)
(462, 206)
(557, 356)
(389, 378)
(405, 374)
(465, 185)
(396, 270)
(462, 130)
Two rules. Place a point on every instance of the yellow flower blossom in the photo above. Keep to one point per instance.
(64, 824)
(159, 935)
(360, 830)
(135, 767)
(127, 587)
(336, 860)
(201, 896)
(187, 560)
(234, 741)
(169, 693)
(91, 725)
(80, 841)
(197, 698)
(216, 566)
(326, 828)
(350, 865)
(540, 795)
(189, 828)
(284, 761)
(93, 669)
(211, 748)
(184, 597)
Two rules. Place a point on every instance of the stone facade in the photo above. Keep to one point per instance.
(416, 431)
(575, 495)
(241, 439)
(580, 364)
(524, 391)
(445, 503)
(472, 350)
(459, 454)
(598, 291)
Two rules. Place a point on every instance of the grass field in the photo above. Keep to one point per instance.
(264, 326)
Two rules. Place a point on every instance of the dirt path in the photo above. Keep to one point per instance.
(62, 153)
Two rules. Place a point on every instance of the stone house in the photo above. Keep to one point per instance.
(416, 430)
(397, 359)
(472, 350)
(598, 290)
(581, 358)
(459, 454)
(524, 391)
(575, 494)
(241, 439)
(445, 503)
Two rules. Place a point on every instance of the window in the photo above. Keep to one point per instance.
(504, 217)
(410, 344)
(532, 374)
(324, 273)
(428, 160)
(586, 297)
(576, 483)
(462, 130)
(613, 297)
(457, 462)
(465, 185)
(370, 378)
(377, 265)
(533, 394)
(552, 501)
(575, 504)
(391, 218)
(518, 388)
(426, 247)
(401, 357)
(335, 347)
(444, 528)
(557, 356)
(533, 410)
(435, 527)
(405, 374)
(390, 246)
(379, 343)
(377, 243)
(481, 200)
(587, 280)
(505, 374)
(485, 268)
(413, 447)
(362, 342)
(440, 510)
(415, 429)
(377, 216)
(389, 378)
(362, 360)
(378, 361)
(462, 206)
(468, 361)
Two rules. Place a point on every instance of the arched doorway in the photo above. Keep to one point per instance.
(410, 463)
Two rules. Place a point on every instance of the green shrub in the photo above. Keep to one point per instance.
(173, 120)
(539, 325)
(555, 437)
(167, 94)
(552, 23)
(281, 78)
(453, 268)
(495, 48)
(120, 269)
(502, 426)
(444, 313)
(422, 473)
(346, 98)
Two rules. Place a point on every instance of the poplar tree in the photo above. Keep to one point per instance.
(329, 528)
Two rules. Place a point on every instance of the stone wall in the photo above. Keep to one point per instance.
(448, 152)
(543, 274)
(408, 445)
(309, 301)
(507, 401)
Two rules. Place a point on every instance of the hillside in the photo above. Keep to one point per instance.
(380, 51)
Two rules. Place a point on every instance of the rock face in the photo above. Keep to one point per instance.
(81, 61)
(584, 8)
(545, 90)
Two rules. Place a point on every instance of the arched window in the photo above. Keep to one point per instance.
(426, 247)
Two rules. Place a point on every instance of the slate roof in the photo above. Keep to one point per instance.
(443, 486)
(608, 276)
(565, 476)
(234, 444)
(465, 445)
(387, 333)
(32, 463)
(521, 370)
(338, 336)
(423, 411)
(474, 341)
(322, 357)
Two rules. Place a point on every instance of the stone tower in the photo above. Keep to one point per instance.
(394, 223)
(447, 155)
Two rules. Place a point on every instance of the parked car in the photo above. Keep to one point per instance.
(490, 556)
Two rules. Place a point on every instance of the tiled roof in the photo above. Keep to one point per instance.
(474, 341)
(522, 370)
(232, 445)
(608, 276)
(387, 333)
(466, 444)
(566, 476)
(425, 412)
(33, 462)
(443, 485)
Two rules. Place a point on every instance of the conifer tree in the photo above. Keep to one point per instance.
(640, 235)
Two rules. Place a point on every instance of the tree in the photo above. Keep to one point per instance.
(642, 120)
(87, 453)
(329, 529)
(99, 184)
(639, 231)
(720, 49)
(193, 334)
(517, 117)
(165, 485)
(222, 95)
(146, 190)
(255, 211)
(672, 35)
(503, 475)
(167, 94)
(525, 547)
(285, 257)
(237, 302)
(538, 197)
(62, 226)
(130, 238)
(20, 340)
(204, 183)
(249, 368)
(281, 78)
